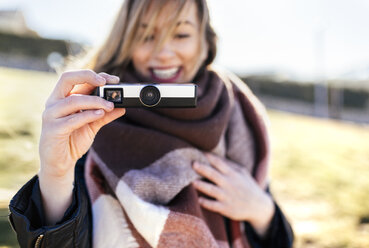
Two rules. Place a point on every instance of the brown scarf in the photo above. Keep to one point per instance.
(139, 169)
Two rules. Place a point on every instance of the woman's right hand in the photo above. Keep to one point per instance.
(67, 133)
(70, 122)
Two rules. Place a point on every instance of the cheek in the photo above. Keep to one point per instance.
(140, 57)
(189, 52)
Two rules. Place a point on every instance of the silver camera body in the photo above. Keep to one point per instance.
(159, 95)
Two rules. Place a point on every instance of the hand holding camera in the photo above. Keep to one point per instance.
(70, 122)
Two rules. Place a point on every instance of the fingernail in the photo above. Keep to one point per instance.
(116, 78)
(109, 104)
(98, 112)
(100, 79)
(195, 165)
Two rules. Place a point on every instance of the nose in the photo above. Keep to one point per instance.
(165, 52)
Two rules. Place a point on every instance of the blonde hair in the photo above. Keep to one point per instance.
(115, 54)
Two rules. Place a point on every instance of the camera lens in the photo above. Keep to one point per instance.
(150, 96)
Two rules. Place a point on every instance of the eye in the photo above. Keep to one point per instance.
(149, 38)
(181, 36)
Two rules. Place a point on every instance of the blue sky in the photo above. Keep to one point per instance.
(302, 38)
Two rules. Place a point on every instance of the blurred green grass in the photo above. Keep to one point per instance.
(319, 172)
(22, 101)
(7, 237)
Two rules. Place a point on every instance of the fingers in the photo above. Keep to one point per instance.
(218, 163)
(211, 205)
(72, 122)
(71, 78)
(86, 88)
(74, 103)
(209, 189)
(69, 97)
(209, 173)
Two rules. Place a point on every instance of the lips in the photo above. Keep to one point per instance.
(165, 75)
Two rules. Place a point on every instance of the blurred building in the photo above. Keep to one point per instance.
(13, 22)
(21, 47)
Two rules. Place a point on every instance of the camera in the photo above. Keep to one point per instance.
(159, 95)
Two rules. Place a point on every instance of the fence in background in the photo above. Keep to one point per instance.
(345, 100)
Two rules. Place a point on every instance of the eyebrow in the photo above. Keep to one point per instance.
(186, 22)
(144, 25)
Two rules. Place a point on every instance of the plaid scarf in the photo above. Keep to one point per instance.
(139, 168)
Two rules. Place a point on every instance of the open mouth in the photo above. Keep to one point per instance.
(165, 75)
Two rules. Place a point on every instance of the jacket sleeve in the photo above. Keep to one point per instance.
(279, 233)
(28, 220)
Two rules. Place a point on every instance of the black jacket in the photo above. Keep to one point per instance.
(75, 229)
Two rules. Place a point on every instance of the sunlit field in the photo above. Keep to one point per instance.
(319, 173)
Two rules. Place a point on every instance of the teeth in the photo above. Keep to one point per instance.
(166, 73)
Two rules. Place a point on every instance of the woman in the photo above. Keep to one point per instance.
(155, 177)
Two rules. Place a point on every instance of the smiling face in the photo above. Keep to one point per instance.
(179, 55)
